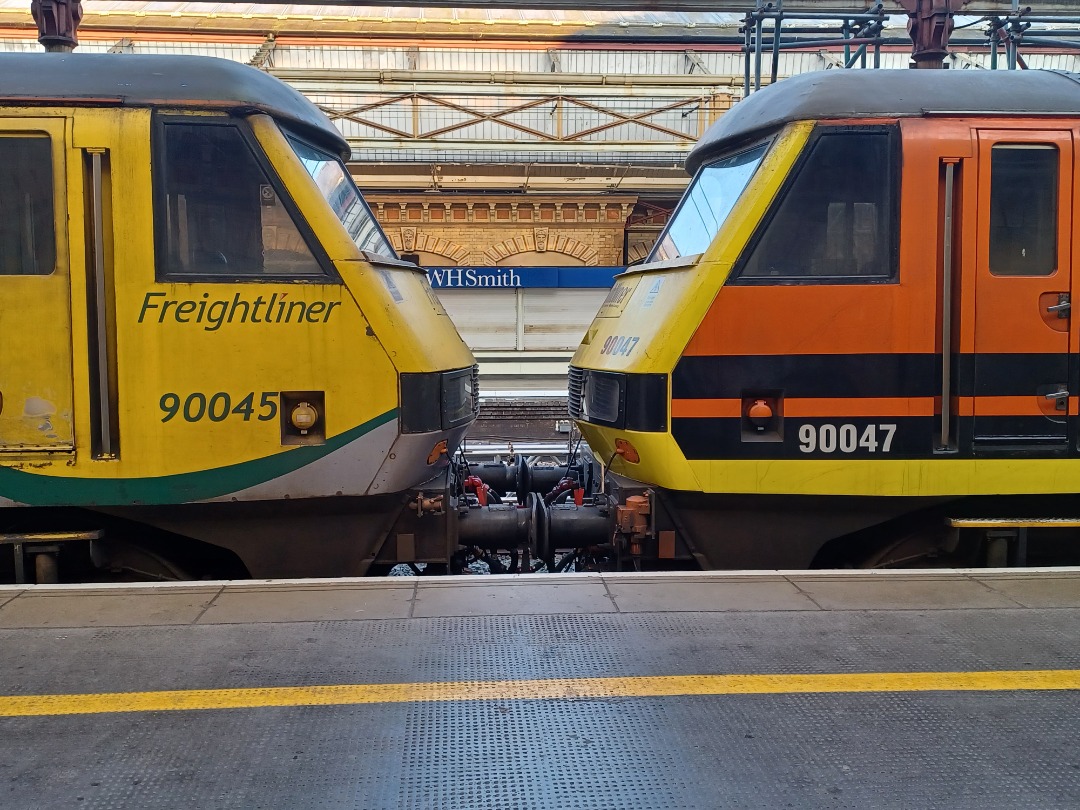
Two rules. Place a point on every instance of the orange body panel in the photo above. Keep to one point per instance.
(999, 323)
(816, 319)
(812, 407)
(1011, 406)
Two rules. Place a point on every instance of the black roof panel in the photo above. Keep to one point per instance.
(138, 80)
(890, 94)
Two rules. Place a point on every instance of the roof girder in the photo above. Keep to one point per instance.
(975, 7)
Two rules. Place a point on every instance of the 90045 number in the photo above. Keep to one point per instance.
(218, 407)
(846, 438)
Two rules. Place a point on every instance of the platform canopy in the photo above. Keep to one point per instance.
(974, 7)
(1055, 8)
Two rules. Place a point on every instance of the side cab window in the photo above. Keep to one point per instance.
(1023, 209)
(221, 213)
(27, 240)
(835, 220)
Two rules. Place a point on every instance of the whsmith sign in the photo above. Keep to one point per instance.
(513, 277)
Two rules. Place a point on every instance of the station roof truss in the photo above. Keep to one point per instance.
(595, 10)
(562, 96)
(649, 118)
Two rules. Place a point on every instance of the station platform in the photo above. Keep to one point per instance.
(890, 689)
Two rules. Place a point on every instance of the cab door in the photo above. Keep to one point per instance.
(35, 305)
(1022, 392)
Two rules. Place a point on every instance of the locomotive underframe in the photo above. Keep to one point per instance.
(568, 517)
(581, 542)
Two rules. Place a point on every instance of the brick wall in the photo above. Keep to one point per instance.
(506, 230)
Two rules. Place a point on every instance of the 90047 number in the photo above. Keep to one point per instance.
(218, 407)
(846, 438)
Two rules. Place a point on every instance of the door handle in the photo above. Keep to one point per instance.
(1062, 307)
(1060, 398)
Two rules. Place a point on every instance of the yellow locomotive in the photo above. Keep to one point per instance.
(203, 331)
(855, 333)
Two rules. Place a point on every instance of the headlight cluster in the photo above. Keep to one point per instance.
(628, 401)
(439, 400)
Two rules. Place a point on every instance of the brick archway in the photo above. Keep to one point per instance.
(638, 251)
(423, 243)
(526, 243)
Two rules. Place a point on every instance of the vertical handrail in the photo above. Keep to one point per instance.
(946, 309)
(97, 221)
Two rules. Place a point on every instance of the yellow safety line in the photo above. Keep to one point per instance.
(551, 689)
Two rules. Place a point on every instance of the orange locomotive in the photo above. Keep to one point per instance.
(856, 249)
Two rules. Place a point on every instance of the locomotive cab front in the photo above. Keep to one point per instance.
(856, 327)
(202, 327)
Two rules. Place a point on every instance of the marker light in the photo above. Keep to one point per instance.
(304, 417)
(627, 451)
(760, 414)
(437, 452)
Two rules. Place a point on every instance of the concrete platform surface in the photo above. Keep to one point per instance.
(857, 689)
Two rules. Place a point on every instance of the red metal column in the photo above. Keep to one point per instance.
(58, 23)
(930, 23)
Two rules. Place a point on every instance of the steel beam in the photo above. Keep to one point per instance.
(1052, 8)
(553, 147)
(499, 82)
